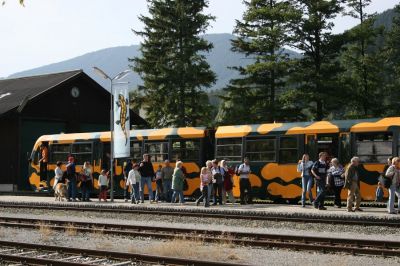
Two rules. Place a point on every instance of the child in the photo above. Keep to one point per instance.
(158, 183)
(133, 181)
(379, 193)
(205, 177)
(103, 184)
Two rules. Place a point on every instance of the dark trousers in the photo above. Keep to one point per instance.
(337, 191)
(218, 193)
(71, 186)
(85, 189)
(43, 173)
(321, 191)
(204, 196)
(245, 191)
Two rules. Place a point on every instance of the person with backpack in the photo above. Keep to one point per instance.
(352, 184)
(243, 172)
(228, 182)
(218, 182)
(393, 173)
(304, 167)
(319, 171)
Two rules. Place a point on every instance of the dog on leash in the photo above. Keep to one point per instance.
(60, 192)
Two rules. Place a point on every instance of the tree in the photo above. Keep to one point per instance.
(363, 65)
(261, 36)
(392, 65)
(313, 75)
(173, 65)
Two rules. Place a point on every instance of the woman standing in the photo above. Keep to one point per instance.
(58, 174)
(177, 183)
(336, 171)
(393, 173)
(87, 172)
(205, 177)
(228, 181)
(304, 167)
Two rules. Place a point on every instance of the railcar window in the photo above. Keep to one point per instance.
(136, 150)
(374, 147)
(261, 150)
(157, 150)
(186, 150)
(82, 152)
(229, 149)
(59, 152)
(288, 150)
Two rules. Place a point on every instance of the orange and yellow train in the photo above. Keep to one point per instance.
(273, 149)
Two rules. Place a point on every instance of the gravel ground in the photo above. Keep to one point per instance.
(181, 248)
(290, 228)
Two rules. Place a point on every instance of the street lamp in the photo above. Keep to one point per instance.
(119, 76)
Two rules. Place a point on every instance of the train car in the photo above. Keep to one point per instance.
(274, 151)
(191, 145)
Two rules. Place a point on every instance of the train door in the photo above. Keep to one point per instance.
(316, 143)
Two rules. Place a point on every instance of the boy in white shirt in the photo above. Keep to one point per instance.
(103, 184)
(133, 181)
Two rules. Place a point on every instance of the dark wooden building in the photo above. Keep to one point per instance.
(46, 104)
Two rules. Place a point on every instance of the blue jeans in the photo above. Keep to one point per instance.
(85, 189)
(159, 189)
(180, 193)
(146, 181)
(204, 196)
(306, 184)
(167, 183)
(71, 188)
(320, 199)
(393, 191)
(209, 192)
(135, 192)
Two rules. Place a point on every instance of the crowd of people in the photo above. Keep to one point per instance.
(333, 177)
(216, 182)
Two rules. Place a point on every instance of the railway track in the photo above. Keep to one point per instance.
(219, 214)
(35, 254)
(322, 244)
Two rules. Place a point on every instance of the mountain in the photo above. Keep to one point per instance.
(115, 59)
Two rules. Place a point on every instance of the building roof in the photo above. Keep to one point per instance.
(14, 92)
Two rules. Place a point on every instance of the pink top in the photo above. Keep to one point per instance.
(204, 180)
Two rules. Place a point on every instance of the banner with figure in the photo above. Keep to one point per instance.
(121, 120)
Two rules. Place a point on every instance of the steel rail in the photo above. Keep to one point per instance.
(359, 246)
(219, 214)
(126, 257)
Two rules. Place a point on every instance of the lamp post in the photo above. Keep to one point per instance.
(119, 76)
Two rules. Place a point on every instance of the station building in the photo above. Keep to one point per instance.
(66, 102)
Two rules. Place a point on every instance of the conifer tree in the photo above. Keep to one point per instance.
(314, 78)
(392, 66)
(261, 35)
(173, 65)
(363, 65)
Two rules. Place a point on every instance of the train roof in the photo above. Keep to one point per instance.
(136, 134)
(320, 127)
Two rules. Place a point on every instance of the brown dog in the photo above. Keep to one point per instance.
(60, 192)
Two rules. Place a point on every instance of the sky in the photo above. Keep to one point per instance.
(49, 31)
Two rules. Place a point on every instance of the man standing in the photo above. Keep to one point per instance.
(127, 168)
(319, 171)
(71, 177)
(244, 182)
(166, 175)
(351, 182)
(147, 175)
(44, 152)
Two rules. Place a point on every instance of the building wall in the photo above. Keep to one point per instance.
(9, 150)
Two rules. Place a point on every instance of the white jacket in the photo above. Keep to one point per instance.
(132, 177)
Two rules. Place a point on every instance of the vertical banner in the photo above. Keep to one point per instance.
(121, 121)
